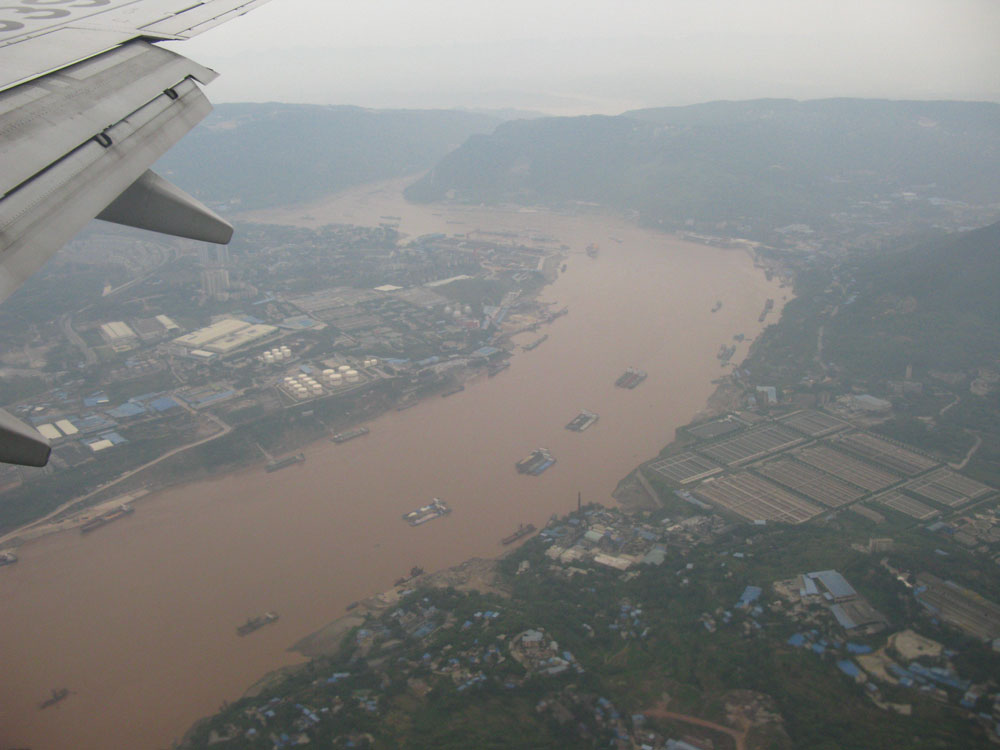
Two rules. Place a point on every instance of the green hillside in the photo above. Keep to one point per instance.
(934, 306)
(762, 163)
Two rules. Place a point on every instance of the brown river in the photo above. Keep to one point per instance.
(138, 619)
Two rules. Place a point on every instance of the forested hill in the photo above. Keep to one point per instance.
(257, 155)
(935, 306)
(763, 162)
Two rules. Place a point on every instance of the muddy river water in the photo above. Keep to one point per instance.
(138, 619)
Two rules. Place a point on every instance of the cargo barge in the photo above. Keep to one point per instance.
(536, 343)
(453, 391)
(582, 421)
(58, 694)
(535, 462)
(343, 437)
(630, 378)
(281, 463)
(522, 530)
(498, 368)
(256, 623)
(7, 558)
(105, 518)
(768, 306)
(435, 509)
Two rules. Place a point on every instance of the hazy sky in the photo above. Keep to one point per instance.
(590, 56)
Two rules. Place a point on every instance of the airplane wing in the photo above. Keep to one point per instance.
(87, 103)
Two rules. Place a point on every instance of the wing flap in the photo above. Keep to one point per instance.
(45, 119)
(80, 185)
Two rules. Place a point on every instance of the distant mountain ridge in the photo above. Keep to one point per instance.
(766, 161)
(258, 155)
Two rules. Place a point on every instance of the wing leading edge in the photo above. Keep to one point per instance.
(87, 104)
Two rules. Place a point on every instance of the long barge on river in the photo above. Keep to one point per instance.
(105, 518)
(536, 343)
(256, 623)
(522, 531)
(281, 463)
(535, 462)
(435, 509)
(498, 368)
(582, 421)
(415, 571)
(343, 437)
(58, 694)
(630, 378)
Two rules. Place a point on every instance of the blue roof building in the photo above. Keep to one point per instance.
(749, 596)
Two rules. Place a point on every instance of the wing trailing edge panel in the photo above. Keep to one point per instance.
(87, 104)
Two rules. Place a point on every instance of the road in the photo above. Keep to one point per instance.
(66, 322)
(740, 738)
(948, 406)
(972, 451)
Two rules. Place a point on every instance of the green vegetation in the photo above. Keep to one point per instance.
(639, 640)
(759, 164)
(934, 306)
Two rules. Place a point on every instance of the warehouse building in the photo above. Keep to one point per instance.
(223, 337)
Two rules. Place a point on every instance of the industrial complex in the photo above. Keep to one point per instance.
(806, 463)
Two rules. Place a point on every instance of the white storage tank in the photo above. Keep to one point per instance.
(351, 376)
(343, 368)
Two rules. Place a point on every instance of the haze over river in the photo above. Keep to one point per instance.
(138, 619)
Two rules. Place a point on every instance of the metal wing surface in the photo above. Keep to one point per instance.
(87, 104)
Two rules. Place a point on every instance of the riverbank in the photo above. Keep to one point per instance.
(152, 595)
